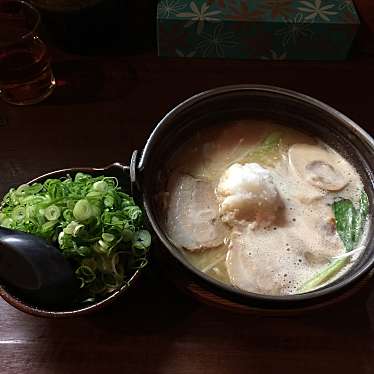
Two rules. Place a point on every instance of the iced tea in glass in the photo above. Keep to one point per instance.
(26, 76)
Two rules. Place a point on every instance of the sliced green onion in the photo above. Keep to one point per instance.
(85, 274)
(69, 229)
(7, 223)
(3, 217)
(48, 226)
(22, 189)
(94, 195)
(19, 214)
(52, 213)
(78, 230)
(108, 237)
(142, 239)
(103, 245)
(100, 186)
(91, 220)
(82, 210)
(108, 201)
(324, 275)
(85, 251)
(127, 235)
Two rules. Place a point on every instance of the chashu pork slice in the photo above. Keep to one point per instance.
(255, 263)
(277, 262)
(193, 220)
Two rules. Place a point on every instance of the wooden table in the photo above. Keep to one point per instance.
(104, 107)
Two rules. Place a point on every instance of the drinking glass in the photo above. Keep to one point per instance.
(26, 76)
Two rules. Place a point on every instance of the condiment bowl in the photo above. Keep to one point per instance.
(122, 173)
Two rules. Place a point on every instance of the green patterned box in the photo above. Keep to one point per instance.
(257, 29)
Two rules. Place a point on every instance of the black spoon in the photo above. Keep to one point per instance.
(36, 269)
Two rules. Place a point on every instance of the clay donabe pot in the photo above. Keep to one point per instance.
(244, 102)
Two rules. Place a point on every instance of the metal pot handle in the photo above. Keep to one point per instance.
(134, 176)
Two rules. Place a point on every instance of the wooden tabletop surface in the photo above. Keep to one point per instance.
(104, 107)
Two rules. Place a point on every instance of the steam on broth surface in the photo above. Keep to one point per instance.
(262, 207)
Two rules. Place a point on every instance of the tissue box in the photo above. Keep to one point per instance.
(257, 29)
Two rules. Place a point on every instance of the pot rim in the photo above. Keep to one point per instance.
(172, 249)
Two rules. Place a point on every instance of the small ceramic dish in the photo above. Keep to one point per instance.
(122, 173)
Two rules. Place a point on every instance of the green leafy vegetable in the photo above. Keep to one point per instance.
(360, 217)
(97, 227)
(350, 224)
(350, 221)
(345, 213)
(267, 152)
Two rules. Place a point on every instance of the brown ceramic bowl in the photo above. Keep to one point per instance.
(243, 102)
(122, 173)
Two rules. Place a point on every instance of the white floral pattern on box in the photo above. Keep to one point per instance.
(294, 30)
(168, 8)
(260, 29)
(200, 15)
(217, 42)
(317, 9)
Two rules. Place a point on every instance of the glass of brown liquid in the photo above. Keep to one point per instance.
(25, 71)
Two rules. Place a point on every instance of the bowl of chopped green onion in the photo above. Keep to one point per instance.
(91, 217)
